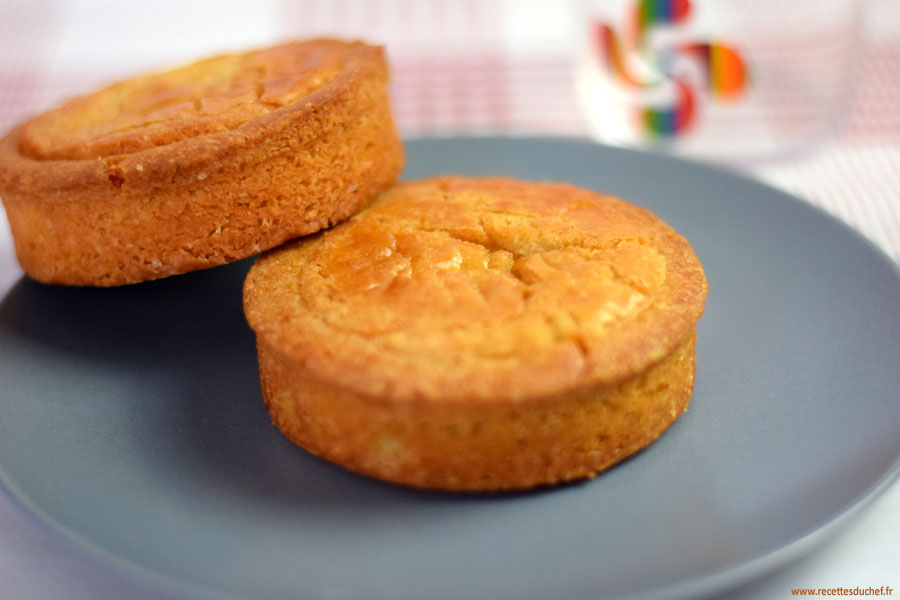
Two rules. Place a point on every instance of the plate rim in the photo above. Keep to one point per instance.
(714, 582)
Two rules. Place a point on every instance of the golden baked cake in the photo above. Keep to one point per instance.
(201, 165)
(479, 334)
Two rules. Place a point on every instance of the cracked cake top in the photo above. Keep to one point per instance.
(456, 288)
(213, 95)
(200, 165)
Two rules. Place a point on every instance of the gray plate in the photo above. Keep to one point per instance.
(132, 422)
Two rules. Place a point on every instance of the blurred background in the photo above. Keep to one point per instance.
(461, 67)
(482, 67)
(506, 67)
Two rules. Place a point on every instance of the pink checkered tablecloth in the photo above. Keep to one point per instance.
(485, 67)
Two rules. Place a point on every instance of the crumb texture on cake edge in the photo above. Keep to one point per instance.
(209, 199)
(479, 446)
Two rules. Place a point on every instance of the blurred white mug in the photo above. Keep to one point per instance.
(726, 80)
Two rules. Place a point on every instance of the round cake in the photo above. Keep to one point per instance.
(201, 165)
(479, 334)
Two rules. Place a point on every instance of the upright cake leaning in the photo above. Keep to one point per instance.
(479, 334)
(201, 165)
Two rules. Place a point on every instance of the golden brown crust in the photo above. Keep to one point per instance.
(479, 305)
(478, 446)
(491, 288)
(201, 165)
